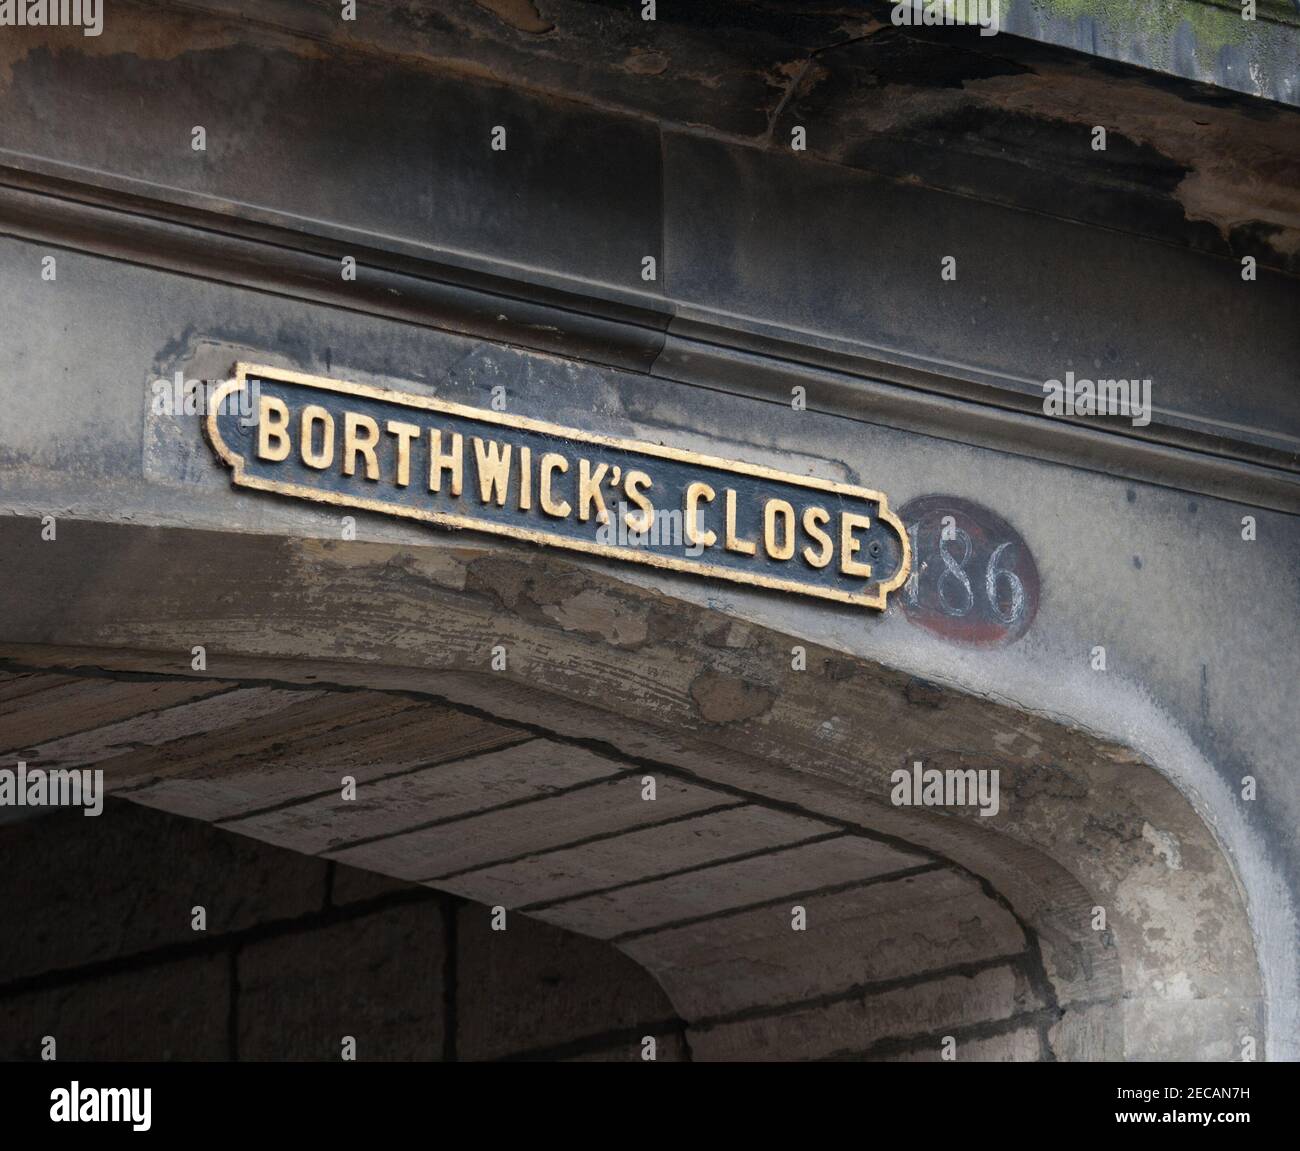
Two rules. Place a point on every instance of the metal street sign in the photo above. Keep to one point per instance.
(421, 458)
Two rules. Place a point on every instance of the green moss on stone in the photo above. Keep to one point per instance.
(1154, 23)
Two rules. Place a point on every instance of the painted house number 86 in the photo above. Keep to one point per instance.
(956, 593)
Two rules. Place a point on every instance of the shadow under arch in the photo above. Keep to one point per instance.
(983, 928)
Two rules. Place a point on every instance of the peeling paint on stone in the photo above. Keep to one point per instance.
(520, 14)
(595, 614)
(1164, 845)
(728, 699)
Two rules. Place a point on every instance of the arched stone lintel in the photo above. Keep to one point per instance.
(1083, 823)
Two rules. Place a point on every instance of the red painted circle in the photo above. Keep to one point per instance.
(974, 580)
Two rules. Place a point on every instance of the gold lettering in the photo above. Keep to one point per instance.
(552, 462)
(589, 492)
(786, 548)
(694, 494)
(405, 433)
(355, 444)
(313, 414)
(642, 520)
(525, 479)
(813, 518)
(453, 461)
(849, 545)
(269, 429)
(493, 471)
(744, 547)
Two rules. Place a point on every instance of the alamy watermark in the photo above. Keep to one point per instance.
(640, 528)
(930, 787)
(59, 787)
(77, 1104)
(1075, 396)
(88, 15)
(930, 13)
(181, 397)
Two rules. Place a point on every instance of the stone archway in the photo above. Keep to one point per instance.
(772, 791)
